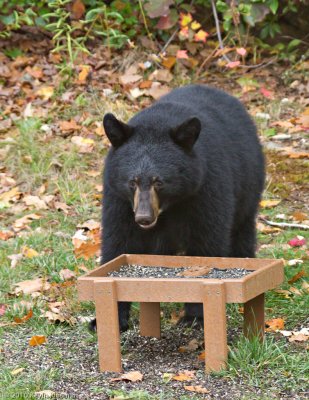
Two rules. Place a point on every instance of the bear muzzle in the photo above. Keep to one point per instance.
(146, 208)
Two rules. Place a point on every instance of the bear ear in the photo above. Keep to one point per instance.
(117, 132)
(186, 134)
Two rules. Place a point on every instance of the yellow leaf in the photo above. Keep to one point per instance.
(17, 371)
(169, 62)
(269, 203)
(185, 19)
(201, 36)
(37, 340)
(195, 25)
(46, 92)
(29, 253)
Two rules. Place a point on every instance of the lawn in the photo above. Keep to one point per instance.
(51, 158)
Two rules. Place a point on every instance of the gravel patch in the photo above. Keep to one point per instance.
(139, 271)
(73, 354)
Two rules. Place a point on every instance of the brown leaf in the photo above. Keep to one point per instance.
(83, 75)
(78, 9)
(161, 75)
(37, 340)
(274, 325)
(169, 62)
(45, 92)
(296, 277)
(267, 229)
(9, 197)
(299, 216)
(69, 126)
(15, 258)
(297, 155)
(298, 337)
(132, 376)
(157, 90)
(30, 286)
(24, 318)
(145, 84)
(84, 145)
(67, 274)
(35, 201)
(90, 225)
(192, 345)
(195, 271)
(87, 244)
(175, 316)
(201, 356)
(184, 376)
(130, 76)
(197, 389)
(22, 222)
(6, 235)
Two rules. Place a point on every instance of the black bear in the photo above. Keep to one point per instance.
(184, 176)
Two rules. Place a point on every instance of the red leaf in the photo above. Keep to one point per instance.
(182, 54)
(266, 93)
(298, 241)
(233, 64)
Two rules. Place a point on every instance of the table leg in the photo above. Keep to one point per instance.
(107, 325)
(254, 320)
(215, 326)
(150, 322)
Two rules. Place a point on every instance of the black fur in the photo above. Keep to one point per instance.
(201, 143)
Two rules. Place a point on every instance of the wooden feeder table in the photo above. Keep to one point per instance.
(149, 292)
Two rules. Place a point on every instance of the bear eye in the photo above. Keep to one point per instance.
(157, 184)
(132, 184)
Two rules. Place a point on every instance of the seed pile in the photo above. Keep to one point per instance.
(139, 271)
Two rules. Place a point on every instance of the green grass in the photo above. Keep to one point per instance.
(34, 160)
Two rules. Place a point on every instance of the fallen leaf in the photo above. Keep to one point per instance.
(296, 262)
(201, 36)
(175, 316)
(185, 19)
(84, 145)
(267, 229)
(184, 376)
(37, 340)
(241, 51)
(28, 252)
(192, 345)
(35, 201)
(2, 309)
(6, 235)
(297, 155)
(30, 286)
(201, 356)
(161, 75)
(24, 318)
(266, 93)
(195, 271)
(54, 316)
(197, 389)
(182, 54)
(269, 203)
(22, 222)
(9, 197)
(274, 325)
(157, 90)
(45, 92)
(145, 84)
(15, 258)
(66, 274)
(132, 376)
(69, 126)
(233, 64)
(299, 216)
(17, 371)
(298, 241)
(169, 62)
(87, 244)
(130, 76)
(83, 75)
(78, 9)
(296, 277)
(295, 291)
(298, 337)
(90, 225)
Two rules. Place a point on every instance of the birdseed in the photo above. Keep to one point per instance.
(139, 271)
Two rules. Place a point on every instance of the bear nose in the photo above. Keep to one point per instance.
(144, 219)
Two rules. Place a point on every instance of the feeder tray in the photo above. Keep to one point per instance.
(149, 292)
